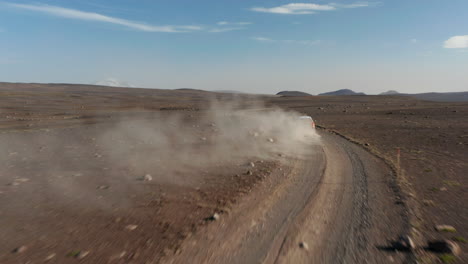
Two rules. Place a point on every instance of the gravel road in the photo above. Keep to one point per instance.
(335, 205)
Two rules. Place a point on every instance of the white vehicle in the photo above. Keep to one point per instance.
(308, 119)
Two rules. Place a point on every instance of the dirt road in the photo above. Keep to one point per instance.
(328, 209)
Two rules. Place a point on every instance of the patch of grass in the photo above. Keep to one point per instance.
(460, 239)
(434, 189)
(427, 170)
(74, 253)
(447, 258)
(451, 183)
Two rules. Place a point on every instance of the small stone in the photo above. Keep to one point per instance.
(249, 172)
(214, 217)
(82, 254)
(103, 187)
(445, 228)
(22, 180)
(50, 257)
(203, 138)
(428, 202)
(304, 245)
(271, 140)
(444, 246)
(404, 243)
(366, 144)
(147, 177)
(443, 189)
(131, 227)
(251, 164)
(19, 249)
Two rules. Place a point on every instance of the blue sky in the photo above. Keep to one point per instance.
(251, 46)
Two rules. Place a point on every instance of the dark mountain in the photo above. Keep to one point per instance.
(343, 92)
(293, 93)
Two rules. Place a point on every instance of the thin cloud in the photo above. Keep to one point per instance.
(227, 23)
(90, 16)
(263, 39)
(457, 42)
(306, 8)
(289, 41)
(353, 5)
(226, 26)
(225, 29)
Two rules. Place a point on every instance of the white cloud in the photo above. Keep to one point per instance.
(225, 26)
(224, 29)
(227, 23)
(289, 41)
(113, 82)
(306, 8)
(263, 39)
(353, 5)
(456, 42)
(90, 16)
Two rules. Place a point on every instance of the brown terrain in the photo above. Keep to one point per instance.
(83, 178)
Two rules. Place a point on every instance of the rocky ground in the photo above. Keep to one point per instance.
(433, 141)
(57, 196)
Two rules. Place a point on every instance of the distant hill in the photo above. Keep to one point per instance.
(293, 93)
(441, 97)
(389, 92)
(228, 91)
(343, 92)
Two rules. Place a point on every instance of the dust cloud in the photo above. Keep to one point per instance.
(176, 143)
(84, 162)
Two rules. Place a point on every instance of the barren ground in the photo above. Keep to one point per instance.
(97, 212)
(432, 137)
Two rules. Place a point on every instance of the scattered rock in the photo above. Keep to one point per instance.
(404, 243)
(147, 177)
(131, 227)
(428, 202)
(103, 187)
(445, 228)
(22, 180)
(82, 254)
(19, 249)
(271, 140)
(443, 189)
(50, 257)
(249, 172)
(251, 164)
(203, 138)
(444, 246)
(304, 245)
(366, 144)
(214, 217)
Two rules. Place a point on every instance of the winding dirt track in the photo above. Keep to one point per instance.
(338, 200)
